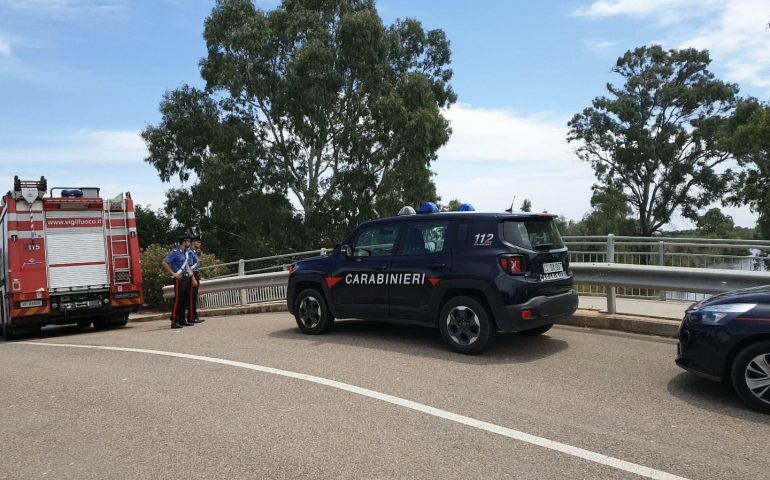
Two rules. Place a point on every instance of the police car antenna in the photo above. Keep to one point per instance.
(510, 209)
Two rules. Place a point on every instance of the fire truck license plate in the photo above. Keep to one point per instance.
(33, 303)
(553, 267)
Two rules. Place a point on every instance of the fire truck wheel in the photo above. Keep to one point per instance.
(12, 333)
(8, 332)
(100, 324)
(119, 320)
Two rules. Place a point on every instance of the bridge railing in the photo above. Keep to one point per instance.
(273, 263)
(598, 262)
(264, 287)
(723, 254)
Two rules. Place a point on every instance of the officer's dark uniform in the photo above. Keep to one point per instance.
(179, 261)
(195, 265)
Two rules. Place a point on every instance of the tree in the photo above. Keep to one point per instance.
(526, 206)
(154, 228)
(452, 206)
(609, 213)
(654, 137)
(748, 138)
(715, 223)
(317, 99)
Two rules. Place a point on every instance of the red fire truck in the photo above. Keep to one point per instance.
(70, 257)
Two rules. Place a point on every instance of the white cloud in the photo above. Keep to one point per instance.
(500, 135)
(82, 147)
(110, 160)
(739, 39)
(494, 155)
(598, 46)
(734, 32)
(664, 11)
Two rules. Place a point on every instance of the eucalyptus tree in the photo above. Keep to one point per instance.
(316, 101)
(654, 138)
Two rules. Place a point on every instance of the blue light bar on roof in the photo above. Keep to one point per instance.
(428, 207)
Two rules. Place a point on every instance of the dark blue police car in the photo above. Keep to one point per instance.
(468, 273)
(727, 337)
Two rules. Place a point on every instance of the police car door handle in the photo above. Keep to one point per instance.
(381, 268)
(438, 266)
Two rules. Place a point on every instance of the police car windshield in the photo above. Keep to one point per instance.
(532, 234)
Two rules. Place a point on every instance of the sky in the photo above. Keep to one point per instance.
(80, 79)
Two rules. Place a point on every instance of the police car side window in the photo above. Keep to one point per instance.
(424, 239)
(375, 242)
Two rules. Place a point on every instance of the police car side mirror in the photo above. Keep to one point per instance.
(347, 251)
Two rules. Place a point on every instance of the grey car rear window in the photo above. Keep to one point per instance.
(532, 234)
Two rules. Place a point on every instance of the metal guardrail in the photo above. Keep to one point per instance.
(647, 267)
(247, 289)
(262, 264)
(240, 290)
(722, 254)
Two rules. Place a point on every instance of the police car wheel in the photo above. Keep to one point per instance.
(751, 376)
(465, 325)
(311, 313)
(533, 332)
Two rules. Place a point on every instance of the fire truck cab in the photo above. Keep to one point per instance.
(70, 257)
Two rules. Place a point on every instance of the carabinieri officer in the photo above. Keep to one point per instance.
(177, 263)
(195, 266)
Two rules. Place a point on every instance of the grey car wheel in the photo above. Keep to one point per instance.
(465, 325)
(757, 377)
(311, 312)
(751, 376)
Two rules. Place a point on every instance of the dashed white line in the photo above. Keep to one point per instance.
(599, 458)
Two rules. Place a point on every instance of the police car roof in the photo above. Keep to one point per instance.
(499, 216)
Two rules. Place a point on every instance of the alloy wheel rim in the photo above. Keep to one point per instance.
(463, 325)
(757, 377)
(310, 312)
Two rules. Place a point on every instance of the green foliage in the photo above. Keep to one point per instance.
(155, 277)
(526, 206)
(452, 206)
(154, 228)
(715, 224)
(609, 213)
(748, 138)
(316, 99)
(567, 226)
(655, 137)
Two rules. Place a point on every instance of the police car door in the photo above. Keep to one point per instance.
(423, 261)
(362, 291)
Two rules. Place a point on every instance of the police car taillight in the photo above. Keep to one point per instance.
(512, 264)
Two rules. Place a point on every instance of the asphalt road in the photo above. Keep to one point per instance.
(406, 408)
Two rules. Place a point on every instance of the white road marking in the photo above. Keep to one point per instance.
(634, 468)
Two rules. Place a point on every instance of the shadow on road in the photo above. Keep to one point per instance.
(58, 331)
(427, 342)
(712, 396)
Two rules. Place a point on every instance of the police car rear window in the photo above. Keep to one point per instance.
(532, 234)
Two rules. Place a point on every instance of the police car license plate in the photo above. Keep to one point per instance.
(553, 267)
